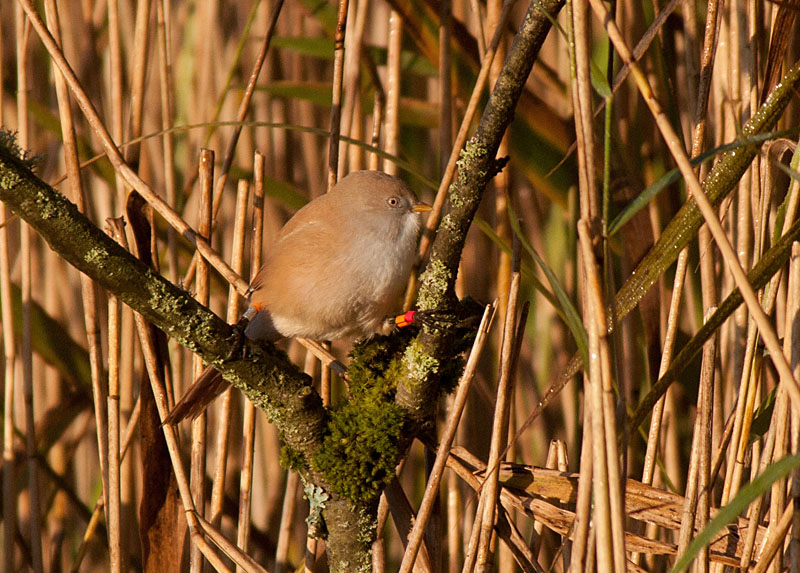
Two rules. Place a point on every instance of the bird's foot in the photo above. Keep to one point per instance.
(238, 348)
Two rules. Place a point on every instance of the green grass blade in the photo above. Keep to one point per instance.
(727, 514)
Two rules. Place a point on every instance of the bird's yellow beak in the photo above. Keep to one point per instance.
(421, 208)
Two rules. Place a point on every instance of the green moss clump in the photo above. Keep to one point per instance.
(359, 455)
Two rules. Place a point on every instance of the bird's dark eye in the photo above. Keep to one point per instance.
(393, 201)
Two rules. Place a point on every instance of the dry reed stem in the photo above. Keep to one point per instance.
(743, 417)
(792, 336)
(579, 529)
(115, 87)
(445, 83)
(26, 284)
(448, 435)
(538, 527)
(224, 418)
(91, 527)
(502, 192)
(695, 511)
(112, 504)
(654, 433)
(351, 156)
(749, 188)
(165, 72)
(199, 432)
(140, 53)
(500, 428)
(588, 203)
(290, 495)
(9, 381)
(393, 89)
(766, 458)
(785, 421)
(471, 551)
(336, 93)
(9, 384)
(249, 414)
(775, 540)
(378, 108)
(608, 514)
(285, 529)
(454, 518)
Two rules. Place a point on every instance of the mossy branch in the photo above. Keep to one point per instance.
(267, 377)
(478, 164)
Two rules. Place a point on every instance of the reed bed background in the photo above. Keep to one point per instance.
(174, 86)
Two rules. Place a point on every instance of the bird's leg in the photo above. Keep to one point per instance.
(465, 315)
(238, 336)
(427, 317)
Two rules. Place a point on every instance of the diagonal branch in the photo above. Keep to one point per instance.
(267, 376)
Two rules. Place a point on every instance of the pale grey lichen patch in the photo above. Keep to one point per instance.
(435, 280)
(420, 363)
(317, 498)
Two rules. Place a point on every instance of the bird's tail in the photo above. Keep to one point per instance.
(198, 397)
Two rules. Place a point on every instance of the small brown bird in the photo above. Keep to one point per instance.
(337, 270)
